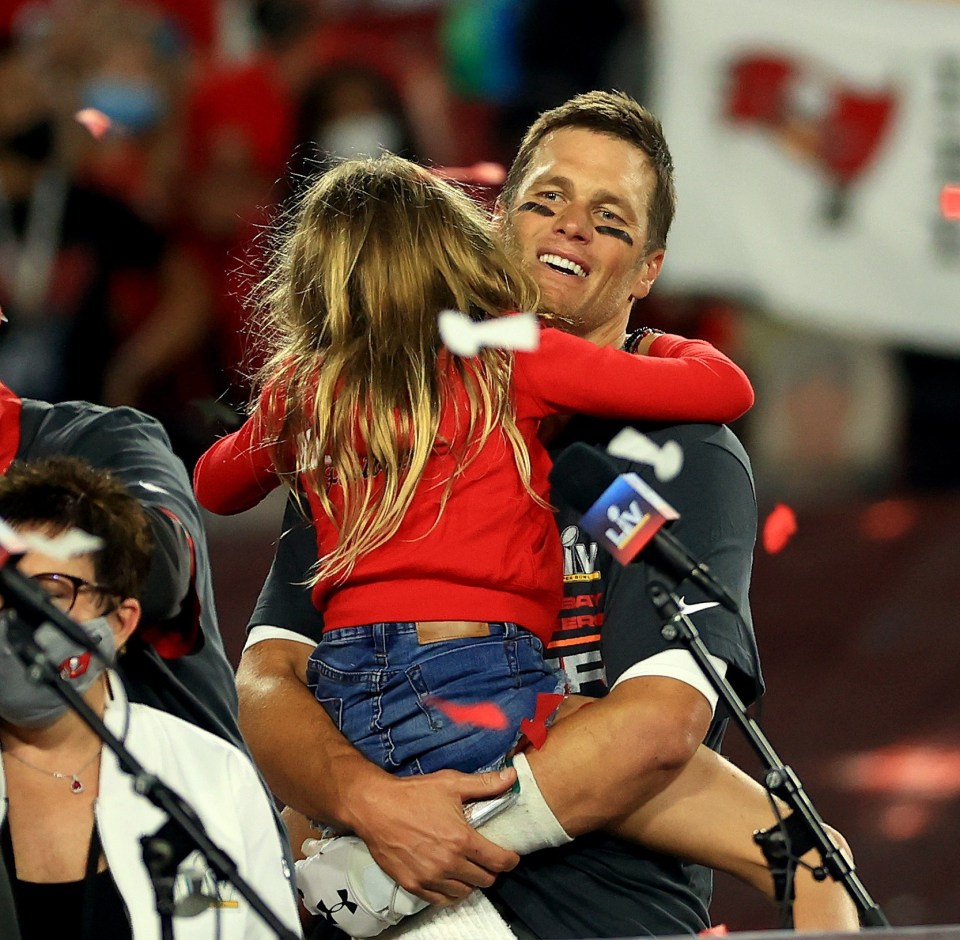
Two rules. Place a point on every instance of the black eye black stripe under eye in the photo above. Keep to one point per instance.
(541, 209)
(537, 207)
(616, 233)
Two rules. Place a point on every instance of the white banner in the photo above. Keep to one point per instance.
(812, 139)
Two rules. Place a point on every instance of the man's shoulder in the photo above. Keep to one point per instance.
(66, 412)
(692, 435)
(600, 431)
(702, 445)
(708, 478)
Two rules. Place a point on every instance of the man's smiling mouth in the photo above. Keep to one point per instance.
(563, 265)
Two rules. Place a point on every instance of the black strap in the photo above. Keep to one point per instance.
(782, 846)
(633, 338)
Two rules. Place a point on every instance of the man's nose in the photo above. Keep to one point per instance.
(574, 222)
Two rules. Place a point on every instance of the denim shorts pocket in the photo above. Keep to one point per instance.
(334, 708)
(496, 675)
(350, 699)
(532, 668)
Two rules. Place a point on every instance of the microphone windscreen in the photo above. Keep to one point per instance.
(580, 475)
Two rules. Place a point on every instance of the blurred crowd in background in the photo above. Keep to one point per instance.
(128, 253)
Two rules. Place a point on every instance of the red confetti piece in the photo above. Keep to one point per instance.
(780, 526)
(94, 121)
(481, 714)
(535, 729)
(950, 201)
(484, 173)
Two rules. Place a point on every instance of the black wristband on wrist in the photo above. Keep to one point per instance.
(633, 339)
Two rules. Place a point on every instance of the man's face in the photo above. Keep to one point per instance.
(579, 226)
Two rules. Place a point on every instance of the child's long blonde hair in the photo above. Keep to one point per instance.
(375, 251)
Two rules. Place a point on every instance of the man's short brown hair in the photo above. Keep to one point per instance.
(617, 115)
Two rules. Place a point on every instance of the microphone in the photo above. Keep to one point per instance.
(627, 517)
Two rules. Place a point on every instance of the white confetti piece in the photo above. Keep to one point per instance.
(464, 337)
(630, 444)
(96, 122)
(64, 545)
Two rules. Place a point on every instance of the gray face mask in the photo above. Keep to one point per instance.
(27, 705)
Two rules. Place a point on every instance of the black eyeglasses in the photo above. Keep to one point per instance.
(64, 589)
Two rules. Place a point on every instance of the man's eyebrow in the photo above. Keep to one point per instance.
(603, 197)
(561, 182)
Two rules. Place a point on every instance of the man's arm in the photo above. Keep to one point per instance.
(636, 740)
(414, 826)
(652, 784)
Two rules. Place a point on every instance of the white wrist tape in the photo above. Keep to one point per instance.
(529, 824)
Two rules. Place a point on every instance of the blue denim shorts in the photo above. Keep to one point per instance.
(383, 690)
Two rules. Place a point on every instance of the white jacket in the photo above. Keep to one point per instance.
(220, 783)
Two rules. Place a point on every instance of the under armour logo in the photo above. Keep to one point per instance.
(328, 912)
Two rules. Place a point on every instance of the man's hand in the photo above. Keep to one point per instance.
(415, 829)
(413, 826)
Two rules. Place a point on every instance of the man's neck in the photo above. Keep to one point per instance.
(613, 333)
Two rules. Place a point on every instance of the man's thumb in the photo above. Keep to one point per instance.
(489, 783)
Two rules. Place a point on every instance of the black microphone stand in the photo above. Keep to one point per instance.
(28, 608)
(803, 829)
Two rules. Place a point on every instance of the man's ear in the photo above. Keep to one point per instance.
(128, 618)
(647, 273)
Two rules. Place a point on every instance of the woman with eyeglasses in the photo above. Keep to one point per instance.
(71, 819)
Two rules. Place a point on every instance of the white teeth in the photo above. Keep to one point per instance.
(565, 264)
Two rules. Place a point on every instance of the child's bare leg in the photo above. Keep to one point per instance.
(708, 815)
(571, 704)
(298, 829)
